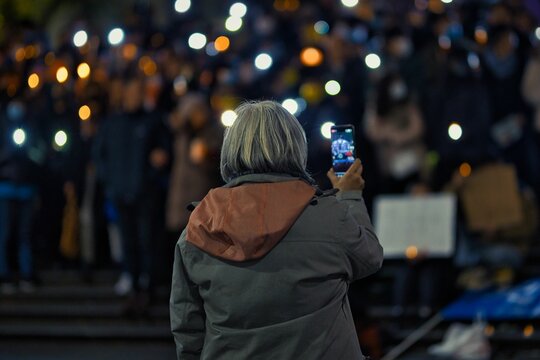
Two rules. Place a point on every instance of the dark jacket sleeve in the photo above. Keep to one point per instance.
(364, 252)
(186, 310)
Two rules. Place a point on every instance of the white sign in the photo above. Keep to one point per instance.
(416, 226)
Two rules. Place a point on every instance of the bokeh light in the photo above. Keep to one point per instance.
(197, 41)
(444, 42)
(474, 61)
(411, 252)
(233, 23)
(180, 85)
(311, 56)
(321, 27)
(222, 43)
(33, 81)
(349, 3)
(286, 5)
(19, 54)
(211, 49)
(238, 10)
(528, 331)
(302, 104)
(465, 170)
(85, 112)
(129, 51)
(373, 61)
(60, 138)
(489, 330)
(291, 105)
(19, 136)
(83, 70)
(182, 6)
(332, 87)
(62, 74)
(116, 36)
(147, 65)
(312, 92)
(326, 129)
(537, 33)
(455, 131)
(263, 61)
(480, 35)
(228, 117)
(447, 1)
(80, 38)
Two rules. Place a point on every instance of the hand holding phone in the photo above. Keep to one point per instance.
(343, 148)
(351, 181)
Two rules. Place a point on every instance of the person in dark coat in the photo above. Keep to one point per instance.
(263, 268)
(21, 155)
(130, 153)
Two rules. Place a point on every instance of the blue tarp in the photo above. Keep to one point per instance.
(517, 303)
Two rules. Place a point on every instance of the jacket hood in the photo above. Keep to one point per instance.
(245, 222)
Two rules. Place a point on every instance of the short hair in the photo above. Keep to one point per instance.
(265, 138)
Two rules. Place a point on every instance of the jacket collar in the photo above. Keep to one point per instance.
(261, 178)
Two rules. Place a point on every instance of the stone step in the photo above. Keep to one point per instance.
(87, 349)
(81, 309)
(77, 292)
(60, 329)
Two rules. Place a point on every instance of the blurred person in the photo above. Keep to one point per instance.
(397, 57)
(464, 100)
(21, 156)
(394, 124)
(195, 165)
(530, 87)
(510, 127)
(130, 152)
(263, 268)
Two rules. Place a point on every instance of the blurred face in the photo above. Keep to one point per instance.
(132, 97)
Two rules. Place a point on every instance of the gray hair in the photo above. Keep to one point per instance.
(265, 138)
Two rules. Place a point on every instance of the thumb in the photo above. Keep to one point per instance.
(333, 177)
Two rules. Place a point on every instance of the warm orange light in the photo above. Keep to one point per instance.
(411, 252)
(436, 6)
(85, 112)
(129, 51)
(147, 65)
(489, 330)
(62, 74)
(286, 5)
(33, 81)
(19, 54)
(222, 43)
(465, 169)
(29, 52)
(481, 36)
(528, 331)
(311, 56)
(83, 70)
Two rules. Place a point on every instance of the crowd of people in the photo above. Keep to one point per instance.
(103, 144)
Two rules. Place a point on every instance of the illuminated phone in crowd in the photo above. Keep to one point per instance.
(343, 152)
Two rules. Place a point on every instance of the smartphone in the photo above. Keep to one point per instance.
(343, 152)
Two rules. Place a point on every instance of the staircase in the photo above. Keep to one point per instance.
(66, 319)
